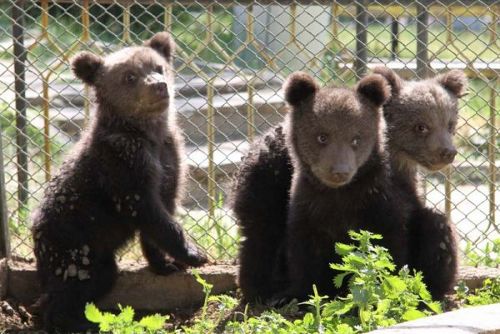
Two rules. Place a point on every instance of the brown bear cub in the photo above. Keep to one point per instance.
(341, 178)
(123, 177)
(259, 200)
(421, 119)
(268, 163)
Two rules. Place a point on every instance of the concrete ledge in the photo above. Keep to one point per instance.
(143, 290)
(474, 277)
(479, 320)
(136, 286)
(3, 277)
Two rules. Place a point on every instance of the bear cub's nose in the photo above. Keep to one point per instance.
(448, 154)
(161, 88)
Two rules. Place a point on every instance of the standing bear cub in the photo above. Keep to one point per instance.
(123, 177)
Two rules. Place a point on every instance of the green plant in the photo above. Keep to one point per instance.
(204, 323)
(124, 323)
(487, 256)
(378, 296)
(488, 293)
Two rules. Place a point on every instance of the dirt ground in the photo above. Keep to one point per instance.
(15, 317)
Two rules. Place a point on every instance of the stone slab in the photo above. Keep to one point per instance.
(136, 286)
(3, 278)
(478, 320)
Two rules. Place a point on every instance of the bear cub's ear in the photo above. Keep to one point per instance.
(454, 81)
(86, 66)
(392, 78)
(298, 87)
(162, 43)
(375, 88)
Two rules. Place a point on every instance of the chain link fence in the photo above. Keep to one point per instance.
(231, 60)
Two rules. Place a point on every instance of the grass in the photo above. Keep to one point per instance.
(473, 45)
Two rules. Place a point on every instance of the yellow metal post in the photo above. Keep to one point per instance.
(210, 142)
(492, 152)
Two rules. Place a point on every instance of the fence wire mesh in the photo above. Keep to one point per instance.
(231, 60)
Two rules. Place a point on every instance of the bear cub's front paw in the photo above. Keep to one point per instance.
(195, 256)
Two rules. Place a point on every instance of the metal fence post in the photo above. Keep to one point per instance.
(422, 39)
(20, 89)
(394, 37)
(4, 223)
(360, 63)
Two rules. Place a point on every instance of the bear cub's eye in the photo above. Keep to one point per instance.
(322, 138)
(422, 128)
(130, 78)
(355, 141)
(159, 69)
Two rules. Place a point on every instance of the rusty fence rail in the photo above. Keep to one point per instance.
(231, 60)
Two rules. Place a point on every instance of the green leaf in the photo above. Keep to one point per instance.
(413, 314)
(93, 314)
(359, 295)
(339, 279)
(343, 249)
(424, 293)
(383, 306)
(364, 316)
(127, 314)
(337, 307)
(396, 283)
(356, 260)
(153, 322)
(435, 307)
(344, 329)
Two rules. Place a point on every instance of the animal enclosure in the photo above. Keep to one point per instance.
(232, 57)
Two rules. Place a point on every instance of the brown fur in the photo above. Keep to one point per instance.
(430, 105)
(123, 177)
(261, 197)
(341, 180)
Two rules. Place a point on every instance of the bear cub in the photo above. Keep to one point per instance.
(421, 119)
(261, 196)
(341, 178)
(123, 177)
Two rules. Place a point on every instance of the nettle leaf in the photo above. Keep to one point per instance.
(127, 314)
(424, 293)
(308, 319)
(413, 314)
(365, 316)
(341, 267)
(153, 322)
(383, 306)
(357, 260)
(108, 319)
(339, 279)
(343, 249)
(435, 307)
(385, 263)
(397, 284)
(345, 329)
(359, 295)
(337, 307)
(93, 314)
